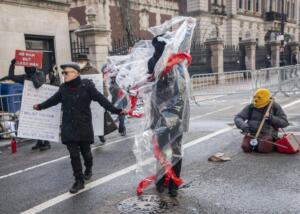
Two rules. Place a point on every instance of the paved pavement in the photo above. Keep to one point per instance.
(33, 181)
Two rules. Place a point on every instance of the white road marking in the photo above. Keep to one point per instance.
(124, 171)
(113, 142)
(122, 139)
(213, 112)
(291, 104)
(112, 176)
(59, 159)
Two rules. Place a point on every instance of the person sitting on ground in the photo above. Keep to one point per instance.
(249, 119)
(77, 134)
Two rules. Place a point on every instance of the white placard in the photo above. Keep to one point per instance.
(97, 110)
(39, 125)
(280, 37)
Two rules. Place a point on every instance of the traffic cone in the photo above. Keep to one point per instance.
(13, 146)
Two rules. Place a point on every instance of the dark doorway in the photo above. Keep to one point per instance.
(45, 44)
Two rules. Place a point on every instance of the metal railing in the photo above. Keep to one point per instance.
(285, 80)
(9, 114)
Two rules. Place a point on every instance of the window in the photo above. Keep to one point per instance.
(45, 44)
(288, 9)
(293, 10)
(144, 20)
(241, 4)
(271, 6)
(249, 5)
(257, 5)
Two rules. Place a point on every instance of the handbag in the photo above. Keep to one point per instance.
(109, 124)
(288, 144)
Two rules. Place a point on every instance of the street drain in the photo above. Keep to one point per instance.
(150, 204)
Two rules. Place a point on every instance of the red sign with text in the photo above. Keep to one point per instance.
(29, 58)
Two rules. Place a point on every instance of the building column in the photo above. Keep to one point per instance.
(275, 53)
(216, 46)
(231, 7)
(97, 39)
(250, 48)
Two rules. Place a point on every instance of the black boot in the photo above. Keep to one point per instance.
(102, 139)
(88, 174)
(159, 188)
(123, 133)
(173, 193)
(45, 146)
(159, 185)
(78, 185)
(37, 145)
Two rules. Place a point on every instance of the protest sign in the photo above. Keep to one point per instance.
(29, 58)
(97, 110)
(40, 125)
(45, 124)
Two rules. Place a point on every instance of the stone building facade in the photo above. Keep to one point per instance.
(111, 14)
(101, 23)
(236, 20)
(33, 25)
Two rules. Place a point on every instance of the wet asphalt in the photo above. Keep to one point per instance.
(249, 183)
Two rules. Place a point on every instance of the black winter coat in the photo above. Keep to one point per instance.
(76, 97)
(250, 118)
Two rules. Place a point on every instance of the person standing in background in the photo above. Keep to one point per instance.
(87, 68)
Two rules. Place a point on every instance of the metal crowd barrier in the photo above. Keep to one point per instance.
(9, 114)
(219, 84)
(285, 80)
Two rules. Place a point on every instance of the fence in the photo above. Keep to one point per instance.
(263, 57)
(232, 58)
(285, 80)
(9, 107)
(201, 56)
(78, 46)
(122, 46)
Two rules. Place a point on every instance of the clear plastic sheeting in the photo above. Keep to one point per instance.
(156, 72)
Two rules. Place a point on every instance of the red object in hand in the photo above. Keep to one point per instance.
(13, 146)
(133, 101)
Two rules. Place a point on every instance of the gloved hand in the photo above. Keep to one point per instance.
(245, 128)
(268, 116)
(123, 112)
(13, 61)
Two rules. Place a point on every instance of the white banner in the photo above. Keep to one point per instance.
(97, 110)
(45, 124)
(39, 125)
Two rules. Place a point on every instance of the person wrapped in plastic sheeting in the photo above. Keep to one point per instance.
(157, 70)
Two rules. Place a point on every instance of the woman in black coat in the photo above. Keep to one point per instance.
(77, 134)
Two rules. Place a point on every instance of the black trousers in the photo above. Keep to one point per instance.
(75, 148)
(176, 163)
